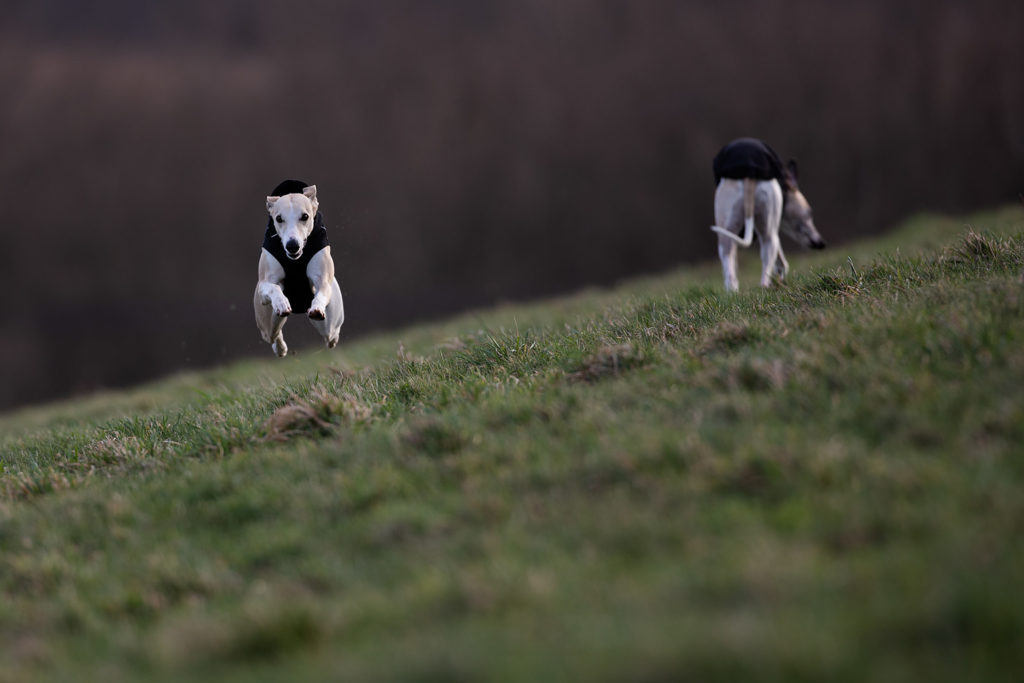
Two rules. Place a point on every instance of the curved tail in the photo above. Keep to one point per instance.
(749, 186)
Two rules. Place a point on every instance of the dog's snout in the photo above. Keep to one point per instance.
(292, 247)
(818, 243)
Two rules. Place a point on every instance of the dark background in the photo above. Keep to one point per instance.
(466, 151)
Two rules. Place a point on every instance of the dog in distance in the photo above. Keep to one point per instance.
(296, 271)
(755, 193)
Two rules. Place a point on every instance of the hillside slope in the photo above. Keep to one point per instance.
(661, 481)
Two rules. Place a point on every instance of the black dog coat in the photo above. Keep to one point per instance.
(296, 285)
(749, 158)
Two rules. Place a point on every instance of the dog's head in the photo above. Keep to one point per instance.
(292, 216)
(797, 219)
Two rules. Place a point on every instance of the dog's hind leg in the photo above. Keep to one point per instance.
(728, 205)
(770, 250)
(270, 304)
(727, 250)
(280, 348)
(270, 324)
(730, 194)
(769, 217)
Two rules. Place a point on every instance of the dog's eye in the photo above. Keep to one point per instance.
(305, 217)
(280, 220)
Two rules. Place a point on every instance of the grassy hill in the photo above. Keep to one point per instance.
(823, 481)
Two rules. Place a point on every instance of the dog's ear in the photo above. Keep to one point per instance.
(310, 193)
(270, 203)
(791, 169)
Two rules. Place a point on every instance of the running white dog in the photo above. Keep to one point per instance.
(296, 271)
(755, 192)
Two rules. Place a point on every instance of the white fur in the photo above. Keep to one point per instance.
(766, 218)
(293, 216)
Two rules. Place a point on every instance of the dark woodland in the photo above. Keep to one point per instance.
(466, 152)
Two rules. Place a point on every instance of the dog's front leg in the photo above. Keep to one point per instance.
(272, 295)
(268, 287)
(781, 265)
(320, 272)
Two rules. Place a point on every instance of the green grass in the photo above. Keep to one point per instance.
(821, 481)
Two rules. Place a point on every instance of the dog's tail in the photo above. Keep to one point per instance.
(749, 186)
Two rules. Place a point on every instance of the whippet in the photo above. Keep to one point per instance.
(755, 193)
(296, 271)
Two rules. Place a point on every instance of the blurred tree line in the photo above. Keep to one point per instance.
(466, 151)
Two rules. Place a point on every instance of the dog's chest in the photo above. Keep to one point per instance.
(296, 285)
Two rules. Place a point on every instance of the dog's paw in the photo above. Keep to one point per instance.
(282, 311)
(316, 314)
